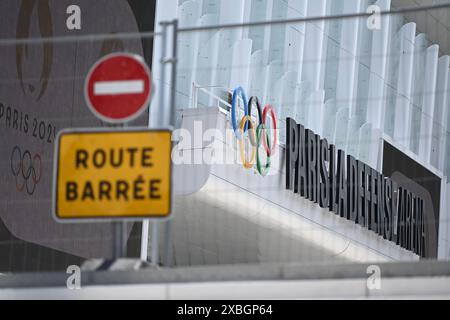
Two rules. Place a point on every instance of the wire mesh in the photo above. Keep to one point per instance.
(363, 81)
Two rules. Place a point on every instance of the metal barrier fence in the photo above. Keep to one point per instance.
(369, 82)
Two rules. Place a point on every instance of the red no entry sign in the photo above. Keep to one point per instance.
(118, 87)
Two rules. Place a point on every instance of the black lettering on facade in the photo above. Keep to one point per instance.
(352, 188)
(361, 192)
(320, 172)
(292, 155)
(367, 194)
(333, 182)
(373, 200)
(341, 185)
(302, 164)
(388, 203)
(324, 190)
(312, 165)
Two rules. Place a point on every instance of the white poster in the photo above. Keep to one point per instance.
(41, 92)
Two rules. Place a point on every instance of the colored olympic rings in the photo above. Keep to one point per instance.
(267, 108)
(263, 170)
(245, 119)
(255, 100)
(236, 92)
(255, 133)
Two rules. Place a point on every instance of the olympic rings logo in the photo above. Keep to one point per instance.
(257, 133)
(26, 168)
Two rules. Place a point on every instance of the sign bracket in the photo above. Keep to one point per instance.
(167, 118)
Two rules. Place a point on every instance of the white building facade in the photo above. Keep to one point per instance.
(369, 85)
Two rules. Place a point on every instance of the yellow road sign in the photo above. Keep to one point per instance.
(112, 174)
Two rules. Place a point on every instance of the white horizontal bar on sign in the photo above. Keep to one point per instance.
(118, 87)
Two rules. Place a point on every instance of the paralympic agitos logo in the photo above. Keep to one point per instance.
(258, 134)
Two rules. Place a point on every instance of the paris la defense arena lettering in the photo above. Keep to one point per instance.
(352, 189)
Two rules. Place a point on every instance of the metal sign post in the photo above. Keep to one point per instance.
(120, 231)
(108, 88)
(118, 240)
(146, 223)
(166, 117)
(117, 90)
(93, 185)
(168, 225)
